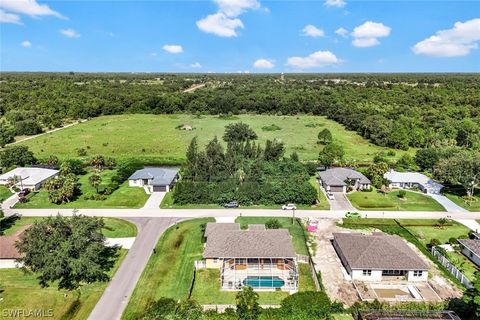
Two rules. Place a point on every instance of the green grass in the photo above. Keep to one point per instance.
(391, 202)
(342, 316)
(169, 272)
(5, 193)
(123, 197)
(114, 228)
(296, 230)
(22, 291)
(466, 266)
(457, 196)
(206, 289)
(426, 233)
(167, 202)
(154, 138)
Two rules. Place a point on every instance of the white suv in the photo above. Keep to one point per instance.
(290, 206)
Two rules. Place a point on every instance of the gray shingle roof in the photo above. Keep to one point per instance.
(472, 245)
(225, 242)
(215, 228)
(337, 176)
(161, 176)
(378, 251)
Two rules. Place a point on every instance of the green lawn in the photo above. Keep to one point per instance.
(457, 196)
(296, 230)
(426, 233)
(22, 291)
(169, 272)
(374, 200)
(5, 193)
(154, 138)
(114, 228)
(466, 266)
(167, 202)
(123, 197)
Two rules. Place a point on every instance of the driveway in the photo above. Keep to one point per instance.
(154, 200)
(10, 202)
(448, 204)
(340, 202)
(115, 298)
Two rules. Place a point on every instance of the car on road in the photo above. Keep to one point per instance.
(290, 206)
(330, 196)
(353, 215)
(231, 204)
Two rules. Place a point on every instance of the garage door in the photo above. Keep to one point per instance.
(336, 189)
(159, 188)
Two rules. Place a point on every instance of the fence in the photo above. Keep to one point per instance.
(451, 268)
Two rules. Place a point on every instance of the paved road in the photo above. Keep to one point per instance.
(115, 298)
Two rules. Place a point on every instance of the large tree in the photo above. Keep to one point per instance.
(332, 153)
(62, 189)
(239, 132)
(247, 304)
(462, 169)
(16, 156)
(7, 133)
(67, 251)
(325, 136)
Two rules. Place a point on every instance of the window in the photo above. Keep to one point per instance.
(367, 272)
(215, 260)
(417, 273)
(471, 254)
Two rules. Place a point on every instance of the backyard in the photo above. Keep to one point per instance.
(160, 140)
(390, 201)
(123, 197)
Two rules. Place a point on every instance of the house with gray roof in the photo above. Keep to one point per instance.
(412, 180)
(155, 179)
(379, 257)
(339, 179)
(264, 259)
(471, 249)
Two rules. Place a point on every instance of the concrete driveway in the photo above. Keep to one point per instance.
(340, 202)
(448, 204)
(115, 298)
(154, 200)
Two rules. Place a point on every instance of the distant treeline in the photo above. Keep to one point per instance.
(394, 110)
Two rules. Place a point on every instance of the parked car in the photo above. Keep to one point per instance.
(290, 206)
(353, 215)
(231, 204)
(330, 196)
(24, 192)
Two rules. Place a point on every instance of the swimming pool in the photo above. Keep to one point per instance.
(263, 282)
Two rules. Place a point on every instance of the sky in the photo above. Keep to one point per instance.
(240, 36)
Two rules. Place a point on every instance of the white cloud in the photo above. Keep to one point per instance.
(26, 44)
(173, 48)
(312, 31)
(335, 3)
(70, 33)
(196, 65)
(6, 17)
(153, 54)
(263, 64)
(455, 42)
(316, 59)
(342, 32)
(29, 7)
(366, 34)
(220, 25)
(234, 8)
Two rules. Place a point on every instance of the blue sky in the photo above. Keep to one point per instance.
(240, 36)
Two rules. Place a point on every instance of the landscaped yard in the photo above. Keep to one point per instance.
(114, 228)
(466, 266)
(123, 197)
(22, 291)
(169, 272)
(457, 196)
(160, 141)
(5, 193)
(375, 200)
(426, 230)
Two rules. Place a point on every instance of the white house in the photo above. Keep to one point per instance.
(157, 179)
(409, 180)
(471, 249)
(338, 180)
(28, 178)
(379, 257)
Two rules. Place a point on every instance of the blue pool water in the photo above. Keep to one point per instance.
(263, 282)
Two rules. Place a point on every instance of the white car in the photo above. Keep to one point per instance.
(290, 206)
(330, 196)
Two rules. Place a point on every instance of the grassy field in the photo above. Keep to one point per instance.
(114, 228)
(391, 202)
(169, 272)
(154, 138)
(296, 230)
(22, 291)
(426, 233)
(5, 193)
(123, 197)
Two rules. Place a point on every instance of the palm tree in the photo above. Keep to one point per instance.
(95, 180)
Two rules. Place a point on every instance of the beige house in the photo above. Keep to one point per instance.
(263, 259)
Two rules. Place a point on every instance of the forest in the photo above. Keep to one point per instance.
(393, 110)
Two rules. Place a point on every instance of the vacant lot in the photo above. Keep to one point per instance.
(15, 285)
(123, 197)
(390, 201)
(155, 138)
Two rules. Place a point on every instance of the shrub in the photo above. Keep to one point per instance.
(452, 240)
(402, 194)
(308, 303)
(81, 152)
(272, 127)
(273, 224)
(434, 242)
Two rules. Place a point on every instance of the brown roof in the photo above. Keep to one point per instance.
(7, 245)
(227, 242)
(378, 251)
(256, 227)
(213, 228)
(472, 245)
